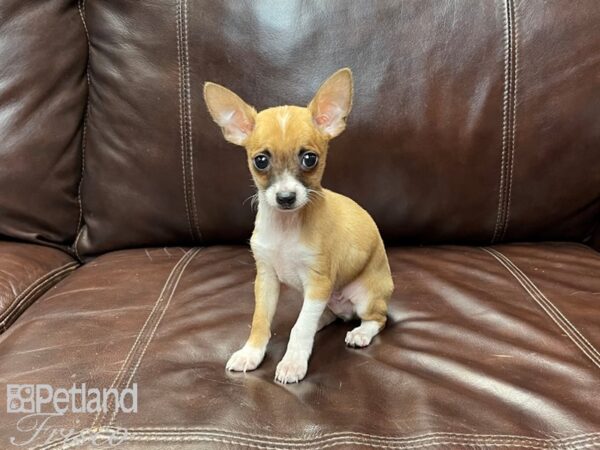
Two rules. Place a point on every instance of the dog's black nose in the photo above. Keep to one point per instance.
(286, 199)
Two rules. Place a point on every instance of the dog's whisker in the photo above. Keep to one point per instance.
(253, 199)
(316, 193)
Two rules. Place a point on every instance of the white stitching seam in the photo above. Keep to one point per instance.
(412, 445)
(326, 441)
(509, 98)
(548, 307)
(553, 307)
(515, 40)
(188, 117)
(346, 434)
(182, 133)
(505, 95)
(299, 442)
(81, 8)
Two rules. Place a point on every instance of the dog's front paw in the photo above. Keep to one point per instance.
(358, 338)
(245, 359)
(291, 369)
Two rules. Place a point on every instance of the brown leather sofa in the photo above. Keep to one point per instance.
(474, 142)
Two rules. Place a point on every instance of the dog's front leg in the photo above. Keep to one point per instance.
(266, 295)
(292, 368)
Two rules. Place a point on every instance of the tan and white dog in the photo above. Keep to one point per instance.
(307, 237)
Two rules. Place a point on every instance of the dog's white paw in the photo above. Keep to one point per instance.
(245, 359)
(291, 369)
(358, 338)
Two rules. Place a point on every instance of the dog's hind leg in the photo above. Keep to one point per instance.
(373, 318)
(369, 294)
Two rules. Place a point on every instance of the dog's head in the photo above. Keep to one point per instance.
(286, 145)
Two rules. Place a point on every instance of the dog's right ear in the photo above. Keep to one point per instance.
(235, 117)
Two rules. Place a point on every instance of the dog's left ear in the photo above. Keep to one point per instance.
(332, 103)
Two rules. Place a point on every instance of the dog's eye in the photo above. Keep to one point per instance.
(308, 160)
(261, 161)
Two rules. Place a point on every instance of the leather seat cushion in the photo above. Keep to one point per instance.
(493, 347)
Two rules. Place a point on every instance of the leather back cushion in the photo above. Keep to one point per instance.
(472, 121)
(43, 54)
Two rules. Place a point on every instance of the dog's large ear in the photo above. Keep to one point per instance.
(235, 117)
(332, 103)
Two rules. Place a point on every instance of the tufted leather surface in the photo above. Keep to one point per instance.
(485, 347)
(43, 56)
(472, 121)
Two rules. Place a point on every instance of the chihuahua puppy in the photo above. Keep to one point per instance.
(314, 240)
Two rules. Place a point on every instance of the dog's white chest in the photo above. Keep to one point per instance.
(278, 244)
